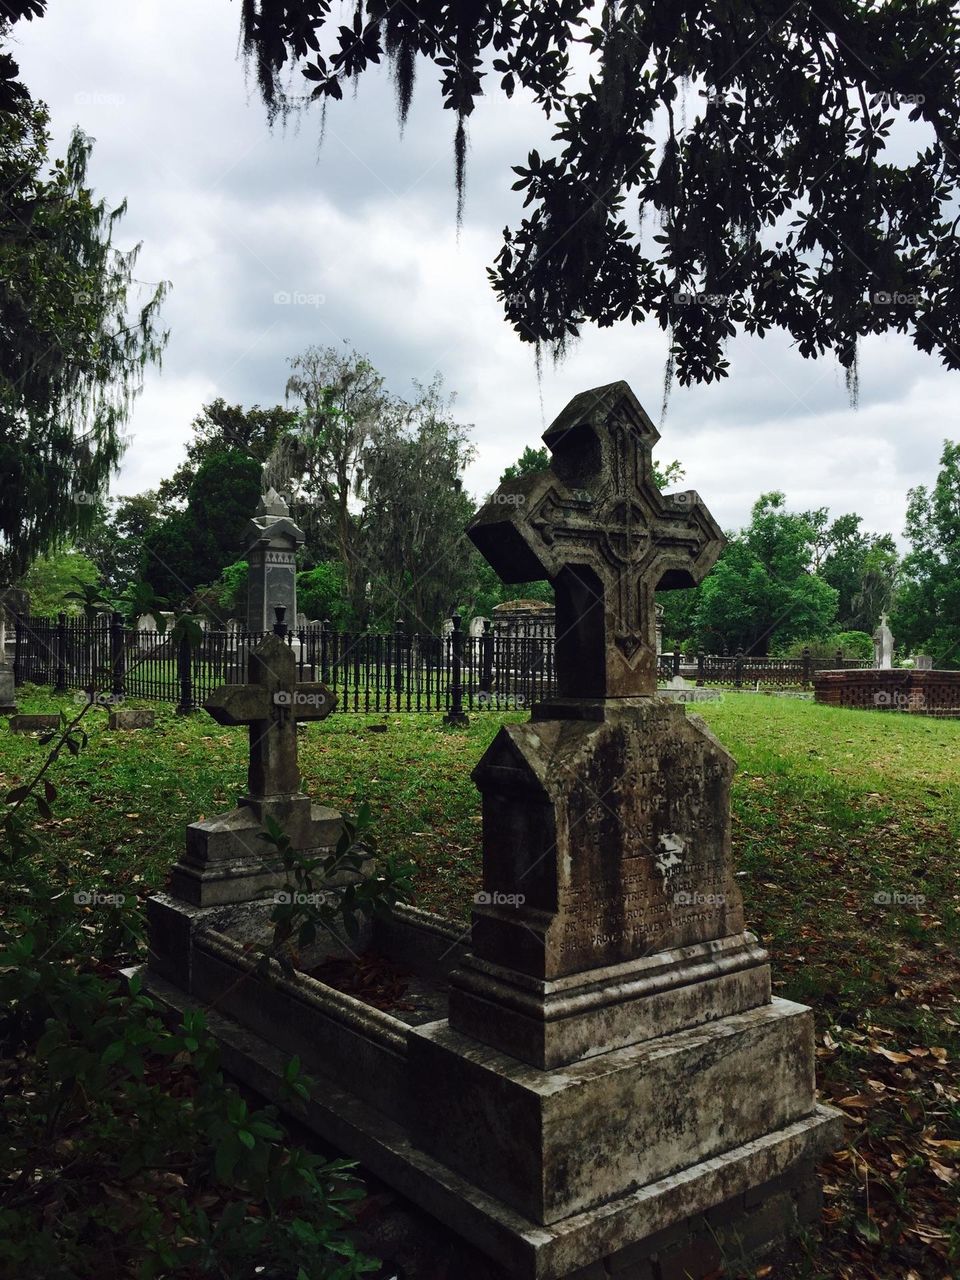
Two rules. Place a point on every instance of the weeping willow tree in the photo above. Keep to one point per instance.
(76, 333)
(798, 161)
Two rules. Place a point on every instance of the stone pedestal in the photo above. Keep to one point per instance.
(226, 860)
(271, 555)
(8, 691)
(612, 1027)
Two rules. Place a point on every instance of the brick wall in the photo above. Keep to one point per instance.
(931, 693)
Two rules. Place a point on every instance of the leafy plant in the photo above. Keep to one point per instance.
(333, 890)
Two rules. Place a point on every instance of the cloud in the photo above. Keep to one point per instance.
(360, 233)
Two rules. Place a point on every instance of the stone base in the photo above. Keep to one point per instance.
(227, 861)
(744, 1202)
(550, 1024)
(562, 1142)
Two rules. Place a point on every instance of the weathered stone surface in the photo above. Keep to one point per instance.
(226, 860)
(604, 535)
(128, 718)
(8, 688)
(527, 1251)
(549, 1024)
(271, 704)
(556, 1143)
(34, 723)
(605, 841)
(271, 555)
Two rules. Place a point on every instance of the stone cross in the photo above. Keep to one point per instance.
(271, 704)
(883, 645)
(600, 530)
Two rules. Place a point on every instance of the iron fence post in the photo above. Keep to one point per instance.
(325, 650)
(701, 666)
(398, 657)
(61, 682)
(18, 639)
(486, 659)
(185, 706)
(118, 657)
(738, 669)
(456, 713)
(807, 672)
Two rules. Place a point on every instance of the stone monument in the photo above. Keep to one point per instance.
(14, 604)
(883, 645)
(613, 1019)
(271, 554)
(600, 1083)
(225, 861)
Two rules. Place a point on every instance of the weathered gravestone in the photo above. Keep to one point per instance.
(613, 1091)
(225, 861)
(271, 555)
(883, 645)
(132, 718)
(613, 1056)
(41, 723)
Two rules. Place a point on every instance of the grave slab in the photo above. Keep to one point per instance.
(40, 723)
(128, 718)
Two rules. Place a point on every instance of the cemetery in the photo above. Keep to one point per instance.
(489, 808)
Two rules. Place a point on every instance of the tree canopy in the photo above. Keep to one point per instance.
(927, 614)
(72, 353)
(754, 136)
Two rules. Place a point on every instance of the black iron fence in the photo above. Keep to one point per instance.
(370, 671)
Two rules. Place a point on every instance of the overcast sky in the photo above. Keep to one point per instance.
(361, 233)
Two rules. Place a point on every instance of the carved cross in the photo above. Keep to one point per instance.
(271, 704)
(597, 527)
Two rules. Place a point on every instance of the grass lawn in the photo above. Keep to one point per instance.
(846, 835)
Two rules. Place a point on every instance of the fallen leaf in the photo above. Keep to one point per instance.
(891, 1055)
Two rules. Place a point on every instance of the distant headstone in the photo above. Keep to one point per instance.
(271, 555)
(34, 723)
(8, 689)
(883, 645)
(129, 718)
(922, 662)
(225, 860)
